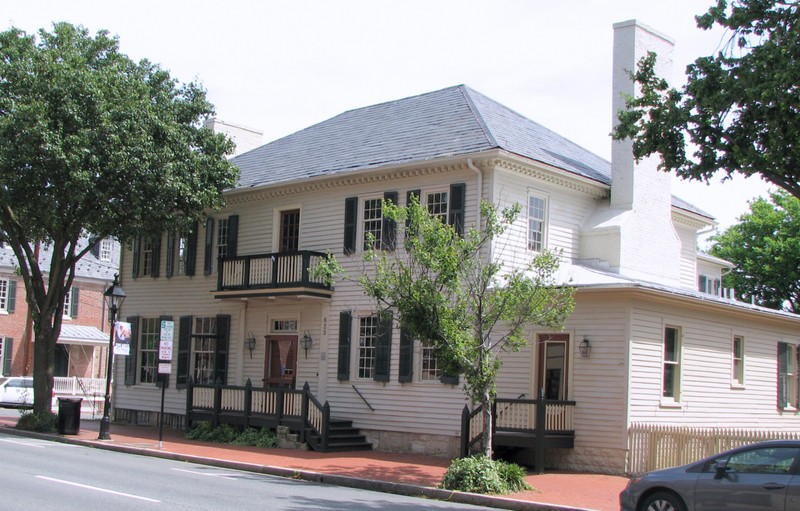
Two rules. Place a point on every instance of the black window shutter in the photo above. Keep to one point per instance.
(233, 234)
(155, 262)
(389, 228)
(383, 348)
(191, 250)
(8, 353)
(350, 224)
(137, 253)
(406, 372)
(208, 261)
(162, 380)
(458, 197)
(184, 350)
(449, 379)
(170, 269)
(345, 334)
(11, 301)
(221, 355)
(130, 360)
(75, 299)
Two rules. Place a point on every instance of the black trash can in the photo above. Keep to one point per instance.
(69, 415)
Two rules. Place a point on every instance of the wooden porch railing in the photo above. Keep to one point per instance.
(249, 406)
(533, 421)
(266, 271)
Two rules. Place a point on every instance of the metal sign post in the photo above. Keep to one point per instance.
(164, 368)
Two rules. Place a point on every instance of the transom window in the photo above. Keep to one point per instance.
(737, 367)
(284, 325)
(373, 223)
(367, 337)
(672, 363)
(204, 346)
(537, 216)
(437, 205)
(429, 370)
(150, 329)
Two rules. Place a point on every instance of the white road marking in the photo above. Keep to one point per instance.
(21, 443)
(95, 488)
(228, 475)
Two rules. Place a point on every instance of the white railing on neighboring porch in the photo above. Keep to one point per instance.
(86, 388)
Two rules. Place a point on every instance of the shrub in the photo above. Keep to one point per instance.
(226, 434)
(43, 422)
(480, 474)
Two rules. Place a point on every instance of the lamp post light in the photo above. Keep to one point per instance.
(114, 298)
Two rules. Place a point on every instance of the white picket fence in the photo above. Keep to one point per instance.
(655, 446)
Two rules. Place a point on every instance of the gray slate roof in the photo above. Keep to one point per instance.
(89, 267)
(448, 122)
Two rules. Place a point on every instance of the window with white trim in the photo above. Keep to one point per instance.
(429, 367)
(671, 387)
(68, 303)
(537, 222)
(709, 285)
(106, 247)
(222, 238)
(787, 376)
(181, 253)
(437, 203)
(204, 348)
(372, 223)
(149, 333)
(147, 257)
(4, 294)
(367, 341)
(737, 362)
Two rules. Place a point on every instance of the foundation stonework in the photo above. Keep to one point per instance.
(413, 443)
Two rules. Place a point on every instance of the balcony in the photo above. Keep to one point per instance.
(276, 274)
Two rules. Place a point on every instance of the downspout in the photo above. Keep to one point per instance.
(479, 196)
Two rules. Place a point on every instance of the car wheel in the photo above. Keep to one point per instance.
(662, 501)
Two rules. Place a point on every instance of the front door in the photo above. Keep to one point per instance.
(553, 362)
(280, 366)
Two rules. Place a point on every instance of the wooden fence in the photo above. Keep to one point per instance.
(654, 446)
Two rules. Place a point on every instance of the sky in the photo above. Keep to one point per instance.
(281, 66)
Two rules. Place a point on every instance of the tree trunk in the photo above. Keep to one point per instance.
(43, 363)
(486, 412)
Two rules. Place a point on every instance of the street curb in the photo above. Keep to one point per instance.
(408, 490)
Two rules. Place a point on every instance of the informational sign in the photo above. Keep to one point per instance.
(167, 331)
(122, 338)
(164, 368)
(165, 347)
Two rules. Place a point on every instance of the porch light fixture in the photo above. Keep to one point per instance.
(114, 298)
(306, 342)
(585, 347)
(250, 343)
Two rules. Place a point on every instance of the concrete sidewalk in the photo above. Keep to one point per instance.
(395, 473)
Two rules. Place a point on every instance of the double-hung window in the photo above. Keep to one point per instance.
(106, 247)
(222, 238)
(537, 222)
(429, 367)
(147, 257)
(737, 361)
(149, 333)
(372, 222)
(204, 348)
(787, 376)
(367, 344)
(437, 202)
(671, 386)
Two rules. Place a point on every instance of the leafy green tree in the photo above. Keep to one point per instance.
(93, 142)
(447, 292)
(765, 247)
(740, 108)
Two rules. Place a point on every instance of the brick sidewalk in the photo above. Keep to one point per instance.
(573, 491)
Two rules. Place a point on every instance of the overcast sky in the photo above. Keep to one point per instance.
(280, 66)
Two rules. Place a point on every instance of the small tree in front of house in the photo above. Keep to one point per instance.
(447, 292)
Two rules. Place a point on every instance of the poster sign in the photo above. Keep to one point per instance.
(122, 338)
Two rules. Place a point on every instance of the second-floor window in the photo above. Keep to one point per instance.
(147, 257)
(71, 301)
(737, 354)
(537, 223)
(8, 291)
(222, 238)
(672, 364)
(372, 223)
(289, 231)
(436, 203)
(106, 246)
(787, 376)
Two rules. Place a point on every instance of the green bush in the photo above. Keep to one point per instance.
(226, 434)
(43, 422)
(480, 474)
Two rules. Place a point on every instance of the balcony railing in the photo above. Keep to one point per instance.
(270, 271)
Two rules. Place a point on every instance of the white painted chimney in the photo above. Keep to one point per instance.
(245, 138)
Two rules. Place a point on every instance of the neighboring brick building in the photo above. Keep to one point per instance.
(81, 347)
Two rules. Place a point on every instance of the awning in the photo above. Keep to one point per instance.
(83, 335)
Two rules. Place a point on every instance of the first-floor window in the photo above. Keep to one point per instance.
(204, 347)
(429, 370)
(672, 363)
(150, 329)
(787, 376)
(737, 368)
(367, 337)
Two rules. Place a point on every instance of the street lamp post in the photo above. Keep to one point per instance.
(114, 298)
